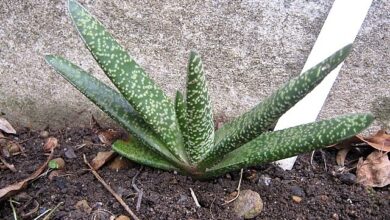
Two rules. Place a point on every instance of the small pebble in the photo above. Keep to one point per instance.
(122, 217)
(182, 199)
(297, 199)
(248, 205)
(69, 153)
(324, 198)
(348, 178)
(44, 134)
(297, 191)
(265, 180)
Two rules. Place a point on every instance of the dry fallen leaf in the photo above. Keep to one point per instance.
(375, 170)
(120, 163)
(12, 189)
(343, 149)
(109, 136)
(101, 159)
(6, 126)
(50, 144)
(380, 141)
(341, 155)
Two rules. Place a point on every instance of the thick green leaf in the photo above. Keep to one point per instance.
(109, 101)
(136, 151)
(130, 79)
(281, 144)
(181, 113)
(264, 115)
(200, 125)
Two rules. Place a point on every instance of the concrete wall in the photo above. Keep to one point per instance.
(249, 48)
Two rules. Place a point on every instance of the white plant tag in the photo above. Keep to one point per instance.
(340, 28)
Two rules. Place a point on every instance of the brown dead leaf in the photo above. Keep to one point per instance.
(17, 187)
(120, 163)
(342, 154)
(109, 136)
(380, 141)
(343, 149)
(374, 171)
(50, 144)
(101, 159)
(6, 126)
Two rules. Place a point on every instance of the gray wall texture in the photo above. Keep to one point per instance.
(249, 48)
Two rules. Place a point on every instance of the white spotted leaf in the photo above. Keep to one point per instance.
(272, 146)
(200, 125)
(258, 120)
(109, 101)
(130, 79)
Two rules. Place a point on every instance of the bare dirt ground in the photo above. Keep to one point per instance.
(325, 194)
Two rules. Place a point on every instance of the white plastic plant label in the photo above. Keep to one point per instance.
(340, 28)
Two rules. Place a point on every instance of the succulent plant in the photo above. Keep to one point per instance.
(180, 135)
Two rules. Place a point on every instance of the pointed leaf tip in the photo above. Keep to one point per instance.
(199, 115)
(147, 98)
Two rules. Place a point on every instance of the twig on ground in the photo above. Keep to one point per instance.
(97, 215)
(42, 214)
(139, 192)
(47, 217)
(117, 197)
(31, 211)
(238, 189)
(211, 205)
(8, 165)
(194, 197)
(13, 210)
(323, 158)
(15, 188)
(312, 157)
(18, 142)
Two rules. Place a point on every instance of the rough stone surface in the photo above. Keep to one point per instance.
(248, 205)
(249, 49)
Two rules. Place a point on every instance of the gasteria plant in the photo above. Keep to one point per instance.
(180, 136)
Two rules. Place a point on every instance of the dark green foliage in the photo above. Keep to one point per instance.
(180, 136)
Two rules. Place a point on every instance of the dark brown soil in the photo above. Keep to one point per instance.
(326, 195)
